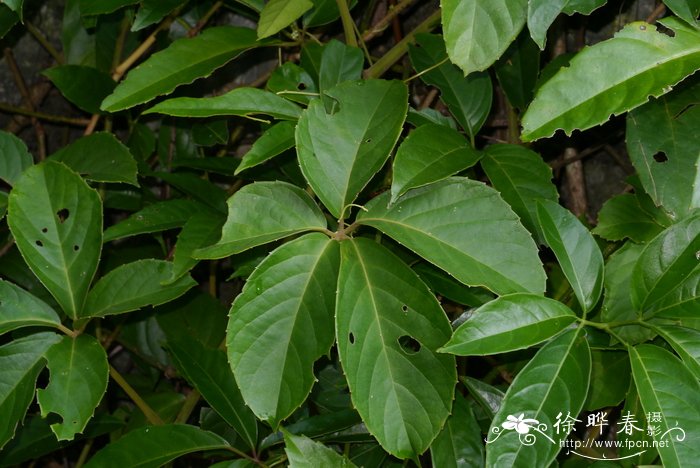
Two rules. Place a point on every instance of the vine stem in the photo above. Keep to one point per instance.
(191, 401)
(42, 115)
(381, 25)
(348, 25)
(151, 415)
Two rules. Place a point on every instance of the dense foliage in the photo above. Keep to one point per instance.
(367, 188)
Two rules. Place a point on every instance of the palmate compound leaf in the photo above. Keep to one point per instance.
(511, 322)
(78, 378)
(182, 62)
(282, 323)
(340, 151)
(666, 386)
(477, 32)
(21, 361)
(553, 384)
(263, 212)
(465, 228)
(19, 308)
(154, 446)
(612, 77)
(388, 327)
(56, 220)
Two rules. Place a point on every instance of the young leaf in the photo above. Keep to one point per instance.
(18, 308)
(551, 388)
(340, 152)
(576, 250)
(667, 263)
(244, 102)
(522, 177)
(200, 230)
(666, 385)
(430, 153)
(448, 223)
(459, 443)
(78, 378)
(661, 144)
(388, 327)
(477, 32)
(468, 98)
(21, 361)
(303, 452)
(508, 323)
(154, 446)
(160, 216)
(287, 210)
(99, 157)
(640, 62)
(623, 216)
(15, 157)
(152, 11)
(135, 285)
(278, 14)
(182, 62)
(517, 71)
(85, 87)
(275, 140)
(686, 342)
(282, 323)
(56, 220)
(208, 371)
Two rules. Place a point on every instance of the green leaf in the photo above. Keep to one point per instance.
(468, 98)
(154, 446)
(487, 396)
(688, 10)
(182, 62)
(244, 102)
(21, 362)
(152, 11)
(447, 222)
(218, 165)
(686, 342)
(262, 212)
(517, 70)
(640, 62)
(339, 63)
(278, 14)
(324, 12)
(78, 378)
(508, 323)
(552, 386)
(442, 283)
(666, 385)
(15, 157)
(100, 7)
(303, 452)
(477, 32)
(340, 152)
(610, 379)
(585, 7)
(210, 133)
(388, 327)
(427, 116)
(666, 264)
(3, 204)
(200, 230)
(293, 82)
(522, 177)
(135, 285)
(16, 6)
(99, 157)
(196, 315)
(202, 190)
(159, 216)
(577, 252)
(274, 141)
(540, 16)
(18, 308)
(8, 19)
(661, 144)
(624, 216)
(83, 86)
(208, 370)
(56, 220)
(459, 443)
(430, 153)
(282, 323)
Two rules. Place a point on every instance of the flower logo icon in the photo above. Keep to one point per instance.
(521, 424)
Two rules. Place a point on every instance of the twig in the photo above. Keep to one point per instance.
(381, 25)
(188, 406)
(204, 19)
(151, 415)
(657, 13)
(42, 116)
(347, 21)
(576, 183)
(41, 39)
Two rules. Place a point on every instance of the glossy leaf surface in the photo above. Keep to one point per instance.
(388, 327)
(286, 210)
(282, 323)
(56, 219)
(200, 230)
(446, 222)
(182, 62)
(78, 378)
(19, 308)
(339, 152)
(275, 140)
(511, 322)
(612, 77)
